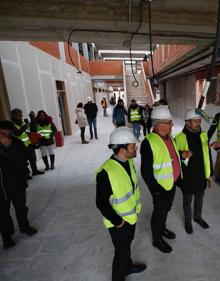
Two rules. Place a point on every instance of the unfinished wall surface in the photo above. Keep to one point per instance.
(181, 94)
(30, 76)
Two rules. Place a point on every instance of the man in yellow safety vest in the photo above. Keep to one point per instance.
(193, 146)
(21, 132)
(160, 169)
(118, 199)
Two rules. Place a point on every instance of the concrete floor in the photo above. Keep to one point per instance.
(72, 244)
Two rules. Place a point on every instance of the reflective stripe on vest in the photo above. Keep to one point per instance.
(218, 132)
(135, 116)
(182, 145)
(124, 200)
(162, 165)
(23, 136)
(44, 131)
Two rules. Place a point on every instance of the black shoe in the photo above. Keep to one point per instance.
(91, 138)
(8, 243)
(29, 231)
(168, 234)
(37, 173)
(29, 177)
(96, 138)
(162, 246)
(188, 227)
(202, 223)
(52, 167)
(135, 268)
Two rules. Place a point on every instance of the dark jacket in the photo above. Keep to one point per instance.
(91, 110)
(118, 116)
(194, 180)
(13, 163)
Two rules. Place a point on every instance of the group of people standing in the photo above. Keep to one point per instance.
(137, 115)
(165, 164)
(18, 140)
(86, 115)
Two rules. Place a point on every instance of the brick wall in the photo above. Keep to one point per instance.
(51, 48)
(91, 67)
(85, 64)
(166, 55)
(106, 67)
(73, 53)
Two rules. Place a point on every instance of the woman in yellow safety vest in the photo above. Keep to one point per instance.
(46, 128)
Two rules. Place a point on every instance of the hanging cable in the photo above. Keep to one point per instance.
(214, 56)
(68, 46)
(148, 2)
(135, 82)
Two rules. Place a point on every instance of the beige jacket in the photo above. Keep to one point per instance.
(81, 117)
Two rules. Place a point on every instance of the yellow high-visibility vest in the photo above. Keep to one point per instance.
(23, 136)
(182, 145)
(135, 116)
(45, 131)
(162, 162)
(125, 200)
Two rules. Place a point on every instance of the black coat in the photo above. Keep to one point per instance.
(91, 110)
(13, 164)
(194, 180)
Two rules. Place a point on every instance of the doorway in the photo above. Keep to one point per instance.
(4, 101)
(63, 106)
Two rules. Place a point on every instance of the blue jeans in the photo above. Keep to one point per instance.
(92, 122)
(136, 129)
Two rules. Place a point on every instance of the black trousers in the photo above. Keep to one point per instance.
(198, 203)
(21, 210)
(121, 239)
(82, 129)
(32, 158)
(162, 203)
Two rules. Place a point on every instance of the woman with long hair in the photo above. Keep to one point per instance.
(81, 121)
(46, 128)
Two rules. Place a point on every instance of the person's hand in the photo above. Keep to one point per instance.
(215, 145)
(32, 114)
(209, 182)
(187, 154)
(120, 225)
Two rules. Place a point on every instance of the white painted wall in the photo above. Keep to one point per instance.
(30, 76)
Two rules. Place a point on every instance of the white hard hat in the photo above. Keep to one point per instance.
(103, 97)
(191, 114)
(89, 99)
(139, 102)
(161, 112)
(122, 135)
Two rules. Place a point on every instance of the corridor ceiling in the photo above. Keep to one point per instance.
(108, 23)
